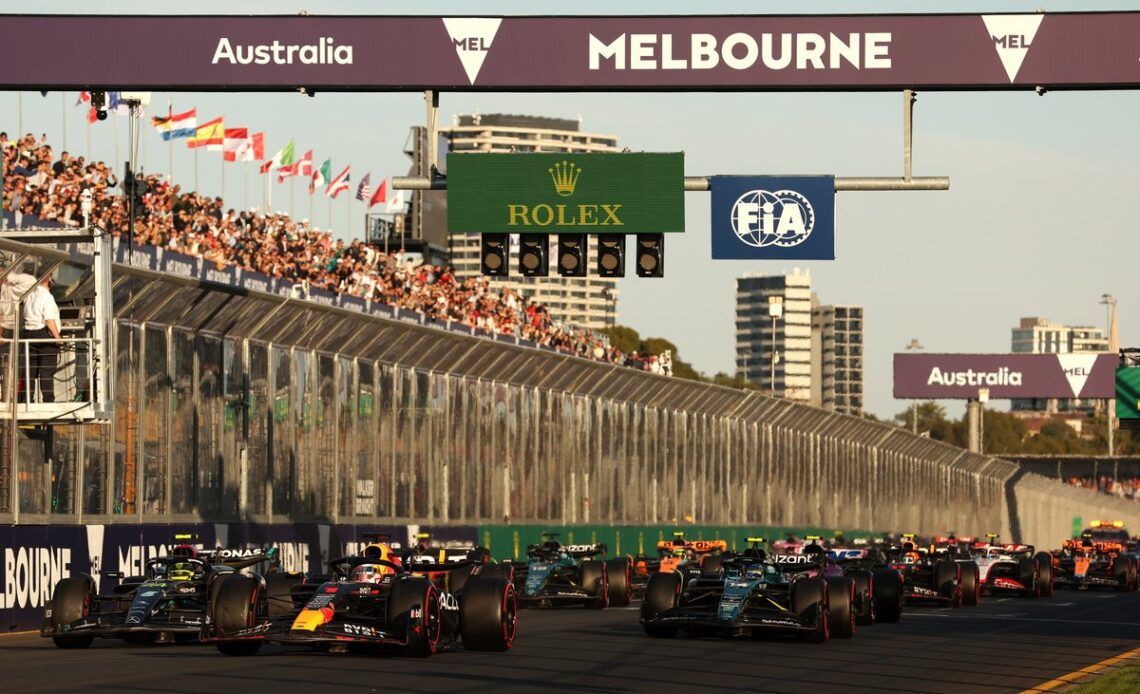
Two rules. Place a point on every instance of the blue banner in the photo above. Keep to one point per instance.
(773, 218)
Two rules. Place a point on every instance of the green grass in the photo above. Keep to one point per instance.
(1125, 680)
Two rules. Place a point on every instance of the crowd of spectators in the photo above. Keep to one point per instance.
(39, 184)
(1123, 487)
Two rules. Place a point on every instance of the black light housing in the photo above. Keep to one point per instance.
(611, 255)
(572, 255)
(99, 103)
(651, 255)
(493, 255)
(533, 252)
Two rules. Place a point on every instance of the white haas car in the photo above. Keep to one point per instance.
(1013, 568)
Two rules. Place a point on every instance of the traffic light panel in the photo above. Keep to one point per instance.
(611, 255)
(650, 255)
(572, 255)
(493, 255)
(533, 250)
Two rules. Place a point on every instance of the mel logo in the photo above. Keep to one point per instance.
(472, 37)
(1012, 35)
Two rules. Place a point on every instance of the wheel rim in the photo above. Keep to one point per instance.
(509, 615)
(432, 619)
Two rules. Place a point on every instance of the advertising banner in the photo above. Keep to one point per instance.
(1006, 376)
(773, 218)
(619, 53)
(596, 193)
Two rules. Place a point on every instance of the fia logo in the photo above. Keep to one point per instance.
(762, 218)
(472, 37)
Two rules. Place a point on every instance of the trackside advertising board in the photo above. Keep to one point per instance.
(773, 218)
(538, 193)
(959, 376)
(696, 53)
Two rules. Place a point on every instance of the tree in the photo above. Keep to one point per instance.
(1003, 433)
(623, 338)
(932, 421)
(737, 381)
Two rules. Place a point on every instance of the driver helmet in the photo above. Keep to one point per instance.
(679, 552)
(371, 573)
(181, 571)
(690, 554)
(754, 571)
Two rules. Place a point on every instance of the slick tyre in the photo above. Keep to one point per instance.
(970, 584)
(864, 596)
(279, 594)
(618, 574)
(1122, 571)
(841, 606)
(1045, 574)
(888, 595)
(712, 564)
(595, 581)
(1029, 573)
(71, 601)
(810, 602)
(488, 614)
(414, 608)
(498, 571)
(233, 609)
(663, 592)
(947, 580)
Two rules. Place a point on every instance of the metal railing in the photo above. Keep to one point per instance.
(72, 374)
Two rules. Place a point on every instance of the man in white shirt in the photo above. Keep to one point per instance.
(15, 285)
(41, 322)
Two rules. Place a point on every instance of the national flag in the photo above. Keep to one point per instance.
(252, 148)
(282, 158)
(210, 135)
(116, 104)
(381, 194)
(301, 167)
(338, 184)
(364, 190)
(320, 176)
(396, 204)
(232, 141)
(84, 98)
(175, 125)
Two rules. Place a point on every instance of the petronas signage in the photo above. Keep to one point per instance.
(558, 193)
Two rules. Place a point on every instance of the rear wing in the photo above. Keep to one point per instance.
(795, 562)
(841, 555)
(448, 556)
(238, 559)
(698, 546)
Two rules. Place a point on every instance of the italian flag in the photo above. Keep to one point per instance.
(320, 176)
(282, 158)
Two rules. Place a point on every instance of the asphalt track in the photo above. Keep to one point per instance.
(1003, 645)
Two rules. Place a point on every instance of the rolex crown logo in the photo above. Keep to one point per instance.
(565, 175)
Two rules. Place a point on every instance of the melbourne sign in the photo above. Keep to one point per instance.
(698, 53)
(1006, 376)
(768, 218)
(602, 193)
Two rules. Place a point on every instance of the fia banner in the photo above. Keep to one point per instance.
(773, 218)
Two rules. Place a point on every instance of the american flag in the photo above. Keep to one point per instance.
(364, 190)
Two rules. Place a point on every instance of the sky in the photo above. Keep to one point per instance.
(1040, 218)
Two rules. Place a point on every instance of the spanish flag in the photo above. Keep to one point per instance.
(211, 135)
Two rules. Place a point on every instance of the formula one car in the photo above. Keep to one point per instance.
(878, 587)
(448, 559)
(166, 604)
(369, 602)
(928, 577)
(1013, 568)
(752, 595)
(557, 574)
(1098, 559)
(673, 553)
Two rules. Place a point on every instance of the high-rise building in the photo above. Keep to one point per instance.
(785, 340)
(837, 358)
(588, 302)
(1041, 336)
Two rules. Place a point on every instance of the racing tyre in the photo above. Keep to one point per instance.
(1029, 573)
(279, 594)
(970, 585)
(618, 575)
(457, 579)
(488, 614)
(414, 608)
(661, 593)
(594, 580)
(1045, 574)
(841, 606)
(71, 601)
(711, 564)
(947, 580)
(1122, 571)
(864, 596)
(809, 601)
(498, 571)
(232, 610)
(888, 595)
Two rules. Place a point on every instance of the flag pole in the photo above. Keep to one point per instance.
(293, 195)
(222, 194)
(329, 219)
(116, 120)
(63, 111)
(89, 139)
(312, 218)
(268, 192)
(20, 117)
(245, 188)
(170, 152)
(196, 188)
